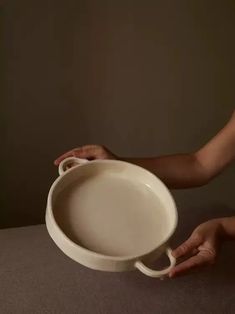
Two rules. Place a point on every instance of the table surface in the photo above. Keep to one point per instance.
(36, 277)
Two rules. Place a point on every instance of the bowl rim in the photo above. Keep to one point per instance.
(81, 249)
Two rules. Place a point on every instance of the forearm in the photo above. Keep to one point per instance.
(176, 171)
(191, 170)
(228, 227)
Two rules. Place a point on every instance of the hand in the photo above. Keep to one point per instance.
(87, 152)
(202, 246)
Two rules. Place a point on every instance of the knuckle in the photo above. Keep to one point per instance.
(196, 237)
(101, 148)
(95, 148)
(78, 151)
(212, 256)
(184, 248)
(101, 151)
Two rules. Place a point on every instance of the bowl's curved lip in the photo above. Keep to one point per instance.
(49, 214)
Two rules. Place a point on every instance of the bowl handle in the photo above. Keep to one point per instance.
(70, 162)
(156, 273)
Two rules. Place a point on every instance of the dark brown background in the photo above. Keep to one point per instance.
(142, 77)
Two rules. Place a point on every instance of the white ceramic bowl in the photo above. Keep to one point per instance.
(111, 215)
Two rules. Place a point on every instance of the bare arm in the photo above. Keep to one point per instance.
(228, 225)
(177, 171)
(196, 169)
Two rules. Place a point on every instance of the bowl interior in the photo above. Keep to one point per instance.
(114, 208)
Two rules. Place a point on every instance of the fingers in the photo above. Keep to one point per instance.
(187, 247)
(62, 157)
(86, 152)
(192, 262)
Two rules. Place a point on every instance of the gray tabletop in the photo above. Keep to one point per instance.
(36, 277)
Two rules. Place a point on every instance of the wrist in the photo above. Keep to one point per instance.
(228, 227)
(221, 228)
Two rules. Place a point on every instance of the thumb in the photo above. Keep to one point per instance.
(186, 247)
